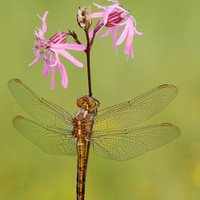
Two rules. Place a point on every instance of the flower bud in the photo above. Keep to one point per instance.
(84, 17)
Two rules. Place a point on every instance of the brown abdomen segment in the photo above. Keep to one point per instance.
(81, 146)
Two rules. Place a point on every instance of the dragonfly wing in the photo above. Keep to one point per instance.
(136, 110)
(40, 109)
(51, 140)
(129, 143)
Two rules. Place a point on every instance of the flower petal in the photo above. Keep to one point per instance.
(38, 58)
(38, 52)
(77, 47)
(63, 75)
(129, 39)
(123, 35)
(44, 26)
(69, 57)
(106, 33)
(116, 28)
(52, 77)
(54, 61)
(99, 6)
(98, 14)
(46, 68)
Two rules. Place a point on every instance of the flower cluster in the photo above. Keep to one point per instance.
(113, 18)
(49, 50)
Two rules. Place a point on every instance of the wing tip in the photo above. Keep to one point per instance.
(19, 117)
(13, 81)
(163, 86)
(170, 86)
(166, 85)
(17, 80)
(166, 124)
(176, 129)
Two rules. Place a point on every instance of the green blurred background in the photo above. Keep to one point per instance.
(167, 52)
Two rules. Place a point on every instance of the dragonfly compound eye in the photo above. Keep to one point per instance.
(91, 102)
(80, 101)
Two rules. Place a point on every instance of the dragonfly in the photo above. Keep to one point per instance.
(109, 130)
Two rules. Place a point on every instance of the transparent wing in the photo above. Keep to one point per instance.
(51, 140)
(129, 143)
(40, 109)
(136, 110)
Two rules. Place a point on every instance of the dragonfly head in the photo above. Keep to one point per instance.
(85, 102)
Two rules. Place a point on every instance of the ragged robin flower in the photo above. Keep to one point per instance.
(114, 17)
(49, 50)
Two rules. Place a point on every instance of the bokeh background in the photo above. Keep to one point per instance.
(167, 52)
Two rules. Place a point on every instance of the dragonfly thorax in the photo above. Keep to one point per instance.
(84, 119)
(82, 123)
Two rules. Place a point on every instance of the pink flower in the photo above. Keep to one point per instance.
(114, 17)
(48, 50)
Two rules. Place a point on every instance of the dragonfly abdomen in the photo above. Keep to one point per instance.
(81, 145)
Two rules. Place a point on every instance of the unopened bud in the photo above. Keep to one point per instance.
(84, 17)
